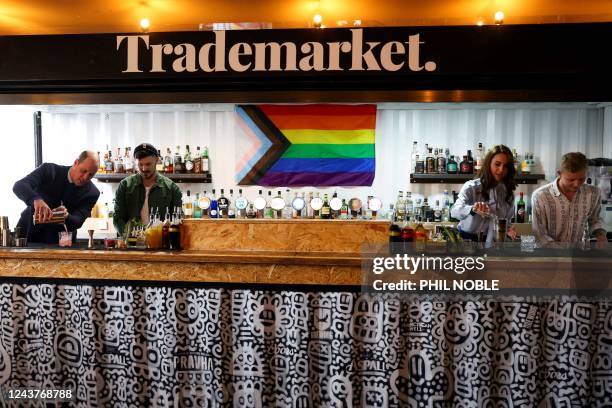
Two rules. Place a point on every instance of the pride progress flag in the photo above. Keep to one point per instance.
(307, 145)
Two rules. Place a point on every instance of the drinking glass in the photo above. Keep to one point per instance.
(527, 243)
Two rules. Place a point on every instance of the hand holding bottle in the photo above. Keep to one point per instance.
(42, 212)
(60, 212)
(512, 233)
(481, 208)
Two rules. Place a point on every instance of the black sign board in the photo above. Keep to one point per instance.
(528, 57)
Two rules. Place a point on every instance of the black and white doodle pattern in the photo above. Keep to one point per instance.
(124, 346)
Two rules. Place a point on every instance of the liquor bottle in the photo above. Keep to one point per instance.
(326, 209)
(119, 168)
(400, 208)
(231, 211)
(420, 233)
(390, 215)
(464, 166)
(197, 161)
(309, 210)
(437, 217)
(128, 161)
(108, 163)
(241, 205)
(525, 164)
(407, 236)
(178, 161)
(414, 156)
(520, 209)
(517, 162)
(479, 159)
(430, 163)
(278, 208)
(344, 213)
(101, 163)
(268, 211)
(299, 204)
(251, 213)
(197, 211)
(451, 166)
(470, 160)
(532, 164)
(168, 162)
(260, 204)
(420, 165)
(188, 205)
(409, 209)
(316, 213)
(188, 162)
(223, 204)
(441, 162)
(159, 165)
(288, 209)
(205, 161)
(213, 211)
(450, 205)
(395, 238)
(446, 207)
(174, 232)
(435, 164)
(165, 230)
(426, 211)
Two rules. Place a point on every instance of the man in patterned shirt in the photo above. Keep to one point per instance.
(563, 209)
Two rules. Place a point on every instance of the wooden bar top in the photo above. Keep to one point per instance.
(277, 267)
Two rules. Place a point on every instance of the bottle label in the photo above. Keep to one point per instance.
(241, 203)
(204, 165)
(189, 165)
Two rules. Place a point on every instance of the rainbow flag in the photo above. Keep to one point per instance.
(307, 145)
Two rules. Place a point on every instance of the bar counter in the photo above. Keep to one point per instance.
(282, 267)
(233, 322)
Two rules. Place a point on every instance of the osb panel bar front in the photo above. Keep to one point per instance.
(181, 272)
(301, 235)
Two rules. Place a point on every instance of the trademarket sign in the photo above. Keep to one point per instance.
(526, 57)
(356, 54)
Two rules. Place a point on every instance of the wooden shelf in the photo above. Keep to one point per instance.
(177, 178)
(462, 178)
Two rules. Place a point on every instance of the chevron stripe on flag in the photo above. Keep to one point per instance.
(306, 145)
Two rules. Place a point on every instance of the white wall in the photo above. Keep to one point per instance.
(548, 130)
(17, 147)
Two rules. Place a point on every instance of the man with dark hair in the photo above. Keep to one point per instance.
(564, 209)
(147, 190)
(66, 189)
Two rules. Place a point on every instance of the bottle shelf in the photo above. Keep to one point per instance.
(176, 177)
(462, 178)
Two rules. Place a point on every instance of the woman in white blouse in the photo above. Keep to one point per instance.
(492, 193)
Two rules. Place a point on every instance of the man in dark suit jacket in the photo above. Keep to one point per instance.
(51, 186)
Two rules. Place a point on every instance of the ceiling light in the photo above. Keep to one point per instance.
(499, 17)
(145, 24)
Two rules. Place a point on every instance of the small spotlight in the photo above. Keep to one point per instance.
(499, 17)
(480, 23)
(357, 23)
(317, 20)
(342, 23)
(145, 24)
